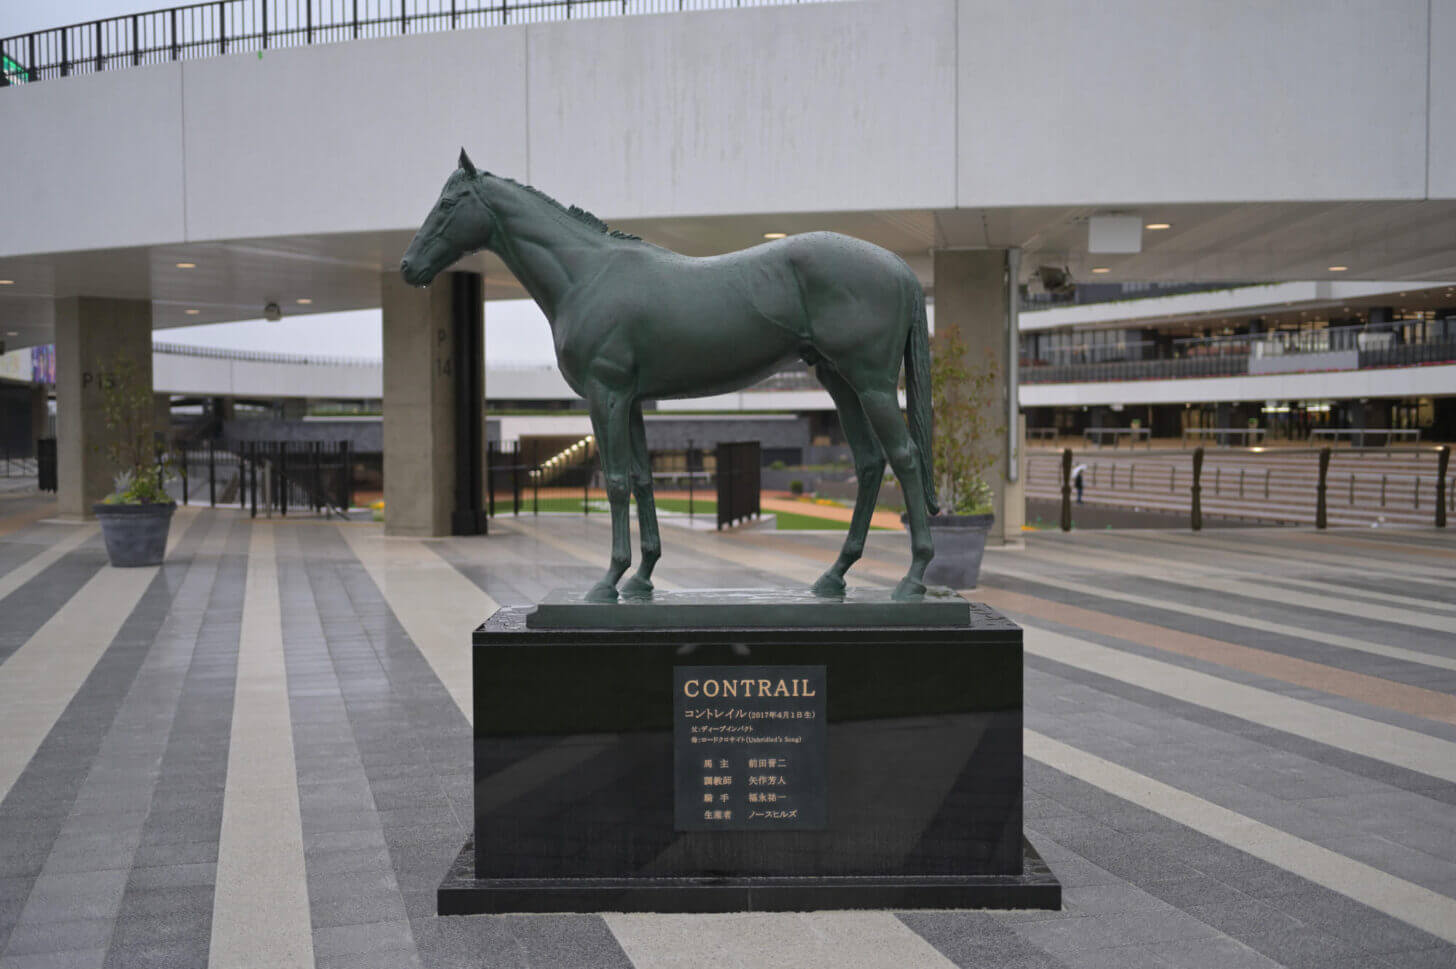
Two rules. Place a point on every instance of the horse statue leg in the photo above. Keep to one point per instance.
(640, 585)
(610, 413)
(882, 407)
(869, 469)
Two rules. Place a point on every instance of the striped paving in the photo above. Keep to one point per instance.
(1241, 750)
(261, 839)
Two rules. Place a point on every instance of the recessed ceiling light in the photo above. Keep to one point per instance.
(187, 265)
(1338, 269)
(7, 282)
(304, 301)
(774, 235)
(193, 312)
(12, 333)
(1101, 269)
(1155, 226)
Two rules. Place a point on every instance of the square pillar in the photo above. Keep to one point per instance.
(93, 336)
(434, 396)
(976, 291)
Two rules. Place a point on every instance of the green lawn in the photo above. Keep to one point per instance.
(701, 506)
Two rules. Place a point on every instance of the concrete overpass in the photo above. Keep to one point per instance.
(971, 137)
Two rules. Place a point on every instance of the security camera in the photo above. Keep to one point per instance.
(1056, 281)
(272, 313)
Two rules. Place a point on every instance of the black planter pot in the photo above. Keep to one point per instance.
(135, 534)
(960, 540)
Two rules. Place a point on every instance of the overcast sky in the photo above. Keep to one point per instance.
(515, 331)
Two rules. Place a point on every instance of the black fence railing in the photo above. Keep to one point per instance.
(45, 465)
(314, 477)
(1409, 355)
(18, 462)
(1210, 366)
(239, 26)
(264, 356)
(739, 482)
(684, 480)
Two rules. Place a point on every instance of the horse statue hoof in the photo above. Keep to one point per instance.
(909, 590)
(637, 588)
(829, 587)
(602, 592)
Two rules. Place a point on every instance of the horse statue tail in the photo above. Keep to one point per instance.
(917, 397)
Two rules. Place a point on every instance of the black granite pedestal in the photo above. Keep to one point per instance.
(747, 768)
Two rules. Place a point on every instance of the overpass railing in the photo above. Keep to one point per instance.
(264, 356)
(242, 26)
(1236, 360)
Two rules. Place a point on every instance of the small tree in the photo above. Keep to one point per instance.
(126, 410)
(962, 392)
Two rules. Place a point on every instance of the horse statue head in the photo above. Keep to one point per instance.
(460, 222)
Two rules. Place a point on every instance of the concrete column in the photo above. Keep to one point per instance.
(433, 395)
(93, 336)
(975, 290)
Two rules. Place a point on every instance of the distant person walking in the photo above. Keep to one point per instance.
(1077, 480)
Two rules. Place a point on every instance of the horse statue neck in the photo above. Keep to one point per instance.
(546, 246)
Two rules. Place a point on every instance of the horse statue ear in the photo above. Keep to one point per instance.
(465, 163)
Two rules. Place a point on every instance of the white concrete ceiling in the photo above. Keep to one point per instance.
(1411, 241)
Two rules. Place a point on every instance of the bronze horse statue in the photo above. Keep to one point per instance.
(632, 321)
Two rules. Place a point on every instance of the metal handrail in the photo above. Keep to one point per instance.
(1223, 365)
(264, 356)
(244, 26)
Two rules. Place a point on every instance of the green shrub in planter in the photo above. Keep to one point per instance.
(796, 487)
(137, 515)
(964, 451)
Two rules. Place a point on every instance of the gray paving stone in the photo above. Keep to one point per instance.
(1213, 953)
(1107, 899)
(173, 954)
(1305, 948)
(1145, 928)
(1440, 957)
(75, 896)
(69, 959)
(368, 907)
(971, 939)
(1065, 937)
(181, 853)
(32, 937)
(568, 941)
(172, 876)
(344, 940)
(1349, 920)
(385, 959)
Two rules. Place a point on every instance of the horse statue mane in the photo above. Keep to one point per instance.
(575, 211)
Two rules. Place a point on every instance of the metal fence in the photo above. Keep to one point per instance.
(515, 485)
(47, 478)
(1404, 486)
(1209, 366)
(17, 464)
(1231, 356)
(239, 26)
(739, 482)
(300, 476)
